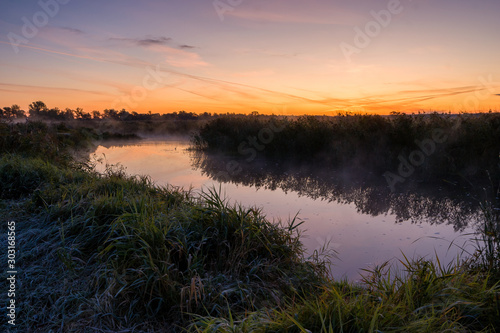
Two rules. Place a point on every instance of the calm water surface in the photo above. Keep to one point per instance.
(364, 224)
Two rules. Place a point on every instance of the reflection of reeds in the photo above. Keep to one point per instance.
(487, 235)
(370, 194)
(488, 241)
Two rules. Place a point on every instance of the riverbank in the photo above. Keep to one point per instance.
(114, 252)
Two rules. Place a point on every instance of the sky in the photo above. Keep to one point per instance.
(271, 56)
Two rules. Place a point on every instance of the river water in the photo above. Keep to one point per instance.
(359, 220)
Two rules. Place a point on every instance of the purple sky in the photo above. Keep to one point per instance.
(286, 57)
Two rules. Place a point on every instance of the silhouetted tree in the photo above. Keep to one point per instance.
(13, 111)
(68, 114)
(124, 115)
(17, 112)
(52, 114)
(183, 115)
(36, 108)
(111, 114)
(80, 114)
(96, 114)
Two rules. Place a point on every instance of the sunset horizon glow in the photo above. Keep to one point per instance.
(239, 56)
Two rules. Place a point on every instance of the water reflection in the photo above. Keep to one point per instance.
(440, 204)
(353, 212)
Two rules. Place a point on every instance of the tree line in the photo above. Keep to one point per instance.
(38, 110)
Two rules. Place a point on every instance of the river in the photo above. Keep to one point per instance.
(355, 218)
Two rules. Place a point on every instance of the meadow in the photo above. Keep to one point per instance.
(112, 252)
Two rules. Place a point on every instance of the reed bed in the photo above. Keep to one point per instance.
(468, 143)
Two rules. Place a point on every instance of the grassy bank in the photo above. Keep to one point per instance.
(110, 252)
(116, 252)
(427, 298)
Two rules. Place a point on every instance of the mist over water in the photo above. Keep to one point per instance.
(353, 213)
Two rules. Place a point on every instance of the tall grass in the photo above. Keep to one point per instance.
(49, 142)
(487, 256)
(426, 297)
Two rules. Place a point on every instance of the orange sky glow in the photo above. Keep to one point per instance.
(282, 57)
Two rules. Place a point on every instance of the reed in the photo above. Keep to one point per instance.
(426, 297)
(470, 145)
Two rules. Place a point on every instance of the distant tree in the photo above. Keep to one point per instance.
(52, 114)
(96, 114)
(80, 114)
(124, 115)
(110, 114)
(183, 115)
(13, 111)
(36, 108)
(86, 116)
(17, 112)
(69, 114)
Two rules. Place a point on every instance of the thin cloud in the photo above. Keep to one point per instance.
(445, 91)
(279, 17)
(42, 49)
(151, 42)
(185, 46)
(7, 90)
(269, 53)
(256, 73)
(413, 96)
(54, 89)
(233, 86)
(274, 13)
(72, 30)
(143, 41)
